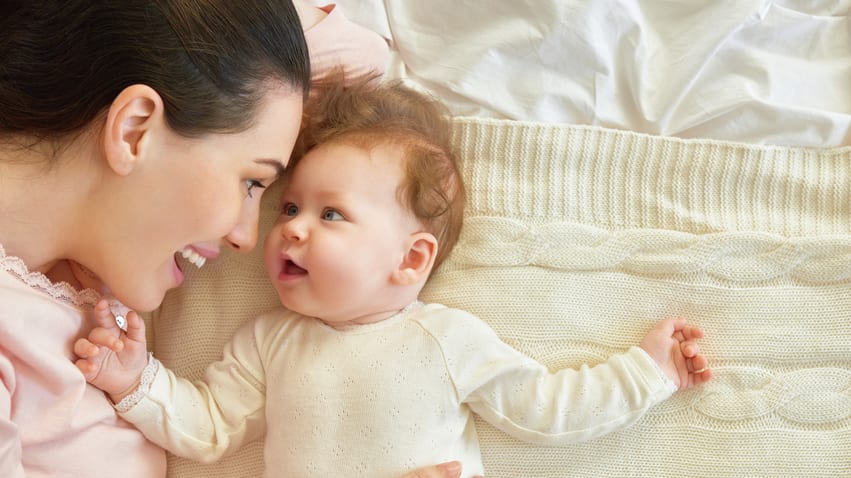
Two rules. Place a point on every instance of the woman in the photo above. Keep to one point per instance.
(118, 119)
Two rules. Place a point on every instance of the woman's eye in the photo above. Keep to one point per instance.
(332, 215)
(290, 209)
(253, 183)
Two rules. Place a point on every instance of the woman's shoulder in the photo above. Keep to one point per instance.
(18, 283)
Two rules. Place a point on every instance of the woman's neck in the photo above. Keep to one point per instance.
(38, 204)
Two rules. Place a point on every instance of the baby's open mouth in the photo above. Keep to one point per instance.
(292, 268)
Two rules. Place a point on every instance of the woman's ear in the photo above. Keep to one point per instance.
(418, 260)
(131, 118)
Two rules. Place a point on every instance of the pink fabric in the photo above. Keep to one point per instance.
(335, 40)
(52, 424)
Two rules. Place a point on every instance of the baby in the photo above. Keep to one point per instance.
(354, 376)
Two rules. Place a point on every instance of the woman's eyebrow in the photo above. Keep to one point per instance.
(279, 167)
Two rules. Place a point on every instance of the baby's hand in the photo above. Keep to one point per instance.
(672, 344)
(450, 469)
(110, 358)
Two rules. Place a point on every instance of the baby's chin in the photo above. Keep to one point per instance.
(294, 304)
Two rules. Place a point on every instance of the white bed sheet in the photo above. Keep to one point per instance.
(752, 71)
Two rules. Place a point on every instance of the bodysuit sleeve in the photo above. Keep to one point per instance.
(206, 420)
(336, 40)
(523, 398)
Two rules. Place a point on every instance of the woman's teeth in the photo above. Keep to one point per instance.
(197, 259)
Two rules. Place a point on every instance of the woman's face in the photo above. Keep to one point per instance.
(191, 195)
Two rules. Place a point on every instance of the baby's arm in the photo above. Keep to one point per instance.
(110, 358)
(525, 399)
(201, 420)
(672, 345)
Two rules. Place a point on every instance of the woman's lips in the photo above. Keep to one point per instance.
(177, 273)
(194, 255)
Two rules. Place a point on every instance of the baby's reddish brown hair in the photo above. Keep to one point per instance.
(367, 114)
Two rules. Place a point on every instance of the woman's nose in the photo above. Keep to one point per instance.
(243, 236)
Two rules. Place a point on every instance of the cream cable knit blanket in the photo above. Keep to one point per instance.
(577, 239)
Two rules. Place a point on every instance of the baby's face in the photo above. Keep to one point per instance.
(341, 233)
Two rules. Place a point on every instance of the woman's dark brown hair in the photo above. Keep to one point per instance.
(63, 62)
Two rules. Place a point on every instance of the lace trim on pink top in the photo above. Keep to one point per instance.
(61, 291)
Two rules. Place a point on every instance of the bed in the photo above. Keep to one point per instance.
(627, 161)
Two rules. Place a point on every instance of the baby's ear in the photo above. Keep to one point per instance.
(417, 263)
(132, 117)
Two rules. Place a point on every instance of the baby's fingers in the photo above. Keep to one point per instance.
(86, 367)
(702, 377)
(669, 327)
(697, 364)
(106, 338)
(699, 372)
(691, 332)
(85, 349)
(104, 316)
(689, 348)
(135, 327)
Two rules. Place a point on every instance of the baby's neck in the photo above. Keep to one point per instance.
(372, 318)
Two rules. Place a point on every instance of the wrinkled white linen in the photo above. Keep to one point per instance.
(752, 71)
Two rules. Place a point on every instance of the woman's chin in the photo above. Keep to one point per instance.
(144, 295)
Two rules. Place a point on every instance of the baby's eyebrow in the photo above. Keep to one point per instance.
(279, 167)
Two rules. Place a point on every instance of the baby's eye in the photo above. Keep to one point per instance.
(332, 215)
(253, 183)
(290, 209)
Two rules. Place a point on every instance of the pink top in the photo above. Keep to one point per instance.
(336, 40)
(52, 423)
